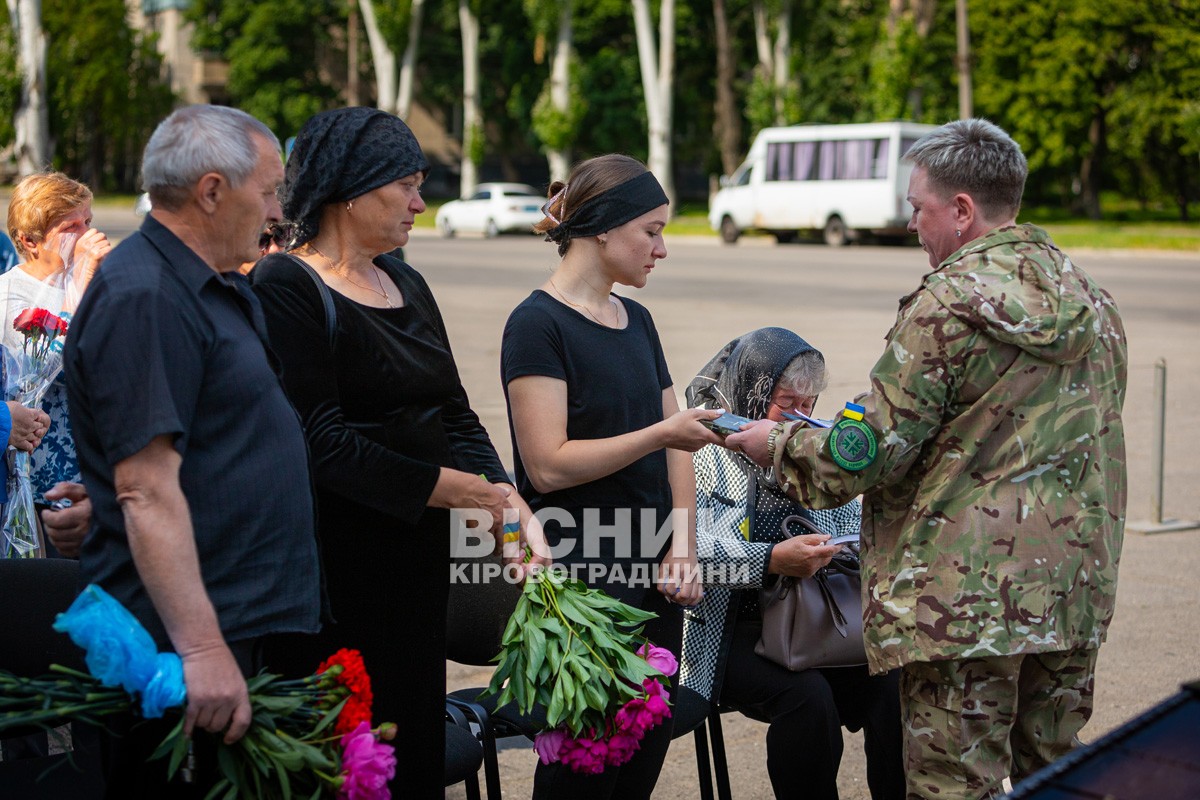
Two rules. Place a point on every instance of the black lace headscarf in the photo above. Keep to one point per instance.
(742, 377)
(340, 155)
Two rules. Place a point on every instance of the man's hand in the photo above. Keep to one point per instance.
(217, 698)
(67, 528)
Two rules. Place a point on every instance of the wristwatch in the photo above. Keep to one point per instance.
(773, 440)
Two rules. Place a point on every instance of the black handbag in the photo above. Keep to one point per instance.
(817, 621)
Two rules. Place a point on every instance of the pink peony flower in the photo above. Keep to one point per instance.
(656, 706)
(660, 658)
(621, 747)
(584, 755)
(548, 744)
(367, 766)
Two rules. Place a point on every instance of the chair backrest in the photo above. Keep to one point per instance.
(479, 610)
(32, 593)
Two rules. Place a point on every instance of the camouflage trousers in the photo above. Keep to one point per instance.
(970, 723)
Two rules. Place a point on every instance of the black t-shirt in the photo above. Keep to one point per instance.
(615, 379)
(164, 345)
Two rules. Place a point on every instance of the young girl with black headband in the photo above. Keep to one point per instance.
(597, 431)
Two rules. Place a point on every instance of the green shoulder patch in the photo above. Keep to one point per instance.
(852, 444)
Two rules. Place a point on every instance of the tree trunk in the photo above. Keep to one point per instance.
(1090, 170)
(382, 57)
(657, 83)
(762, 38)
(560, 88)
(32, 121)
(352, 95)
(728, 122)
(408, 64)
(472, 116)
(783, 60)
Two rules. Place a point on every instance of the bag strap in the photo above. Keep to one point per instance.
(326, 300)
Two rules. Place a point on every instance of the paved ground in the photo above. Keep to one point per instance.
(844, 301)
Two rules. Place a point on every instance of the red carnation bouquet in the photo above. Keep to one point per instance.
(311, 737)
(29, 370)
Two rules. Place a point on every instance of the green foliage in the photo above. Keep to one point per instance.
(280, 52)
(556, 128)
(10, 85)
(105, 91)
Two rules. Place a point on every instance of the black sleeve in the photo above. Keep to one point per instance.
(344, 461)
(532, 345)
(142, 362)
(470, 444)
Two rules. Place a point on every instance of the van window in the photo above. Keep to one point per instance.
(906, 144)
(840, 160)
(741, 177)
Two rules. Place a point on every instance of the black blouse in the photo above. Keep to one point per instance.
(384, 408)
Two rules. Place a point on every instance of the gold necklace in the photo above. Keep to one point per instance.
(381, 291)
(612, 304)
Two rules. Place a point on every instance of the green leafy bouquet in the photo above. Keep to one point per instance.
(579, 653)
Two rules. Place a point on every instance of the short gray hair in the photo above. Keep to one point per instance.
(805, 374)
(978, 158)
(196, 140)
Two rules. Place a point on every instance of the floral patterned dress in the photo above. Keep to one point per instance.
(55, 458)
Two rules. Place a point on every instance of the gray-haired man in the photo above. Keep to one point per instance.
(192, 455)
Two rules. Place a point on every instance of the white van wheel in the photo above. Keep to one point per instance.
(835, 232)
(729, 230)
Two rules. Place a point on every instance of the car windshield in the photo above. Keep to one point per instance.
(521, 191)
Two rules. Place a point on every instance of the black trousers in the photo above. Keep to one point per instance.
(635, 779)
(806, 711)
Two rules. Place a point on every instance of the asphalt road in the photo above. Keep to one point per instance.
(844, 301)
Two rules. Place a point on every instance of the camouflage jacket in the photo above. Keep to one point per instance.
(994, 509)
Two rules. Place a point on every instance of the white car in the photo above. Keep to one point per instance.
(492, 210)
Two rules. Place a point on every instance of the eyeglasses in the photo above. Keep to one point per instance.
(273, 235)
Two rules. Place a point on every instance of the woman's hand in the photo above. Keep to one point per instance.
(801, 556)
(457, 489)
(683, 431)
(90, 250)
(679, 579)
(532, 537)
(29, 425)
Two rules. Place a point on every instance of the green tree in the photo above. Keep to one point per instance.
(106, 91)
(282, 56)
(1051, 76)
(1155, 119)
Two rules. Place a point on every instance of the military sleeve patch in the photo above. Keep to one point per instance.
(852, 444)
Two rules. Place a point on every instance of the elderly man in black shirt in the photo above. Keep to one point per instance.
(192, 455)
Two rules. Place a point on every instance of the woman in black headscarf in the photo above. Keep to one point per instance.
(393, 441)
(740, 508)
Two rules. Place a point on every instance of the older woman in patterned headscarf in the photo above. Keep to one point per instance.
(765, 374)
(393, 440)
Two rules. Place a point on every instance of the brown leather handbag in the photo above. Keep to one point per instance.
(817, 621)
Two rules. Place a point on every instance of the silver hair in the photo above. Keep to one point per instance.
(978, 158)
(196, 140)
(805, 374)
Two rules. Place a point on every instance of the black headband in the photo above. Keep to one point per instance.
(612, 208)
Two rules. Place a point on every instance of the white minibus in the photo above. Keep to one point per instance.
(842, 180)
